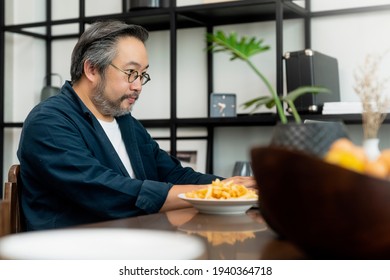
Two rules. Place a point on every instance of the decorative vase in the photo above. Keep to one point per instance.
(371, 148)
(313, 138)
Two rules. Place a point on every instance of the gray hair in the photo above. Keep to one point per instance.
(98, 45)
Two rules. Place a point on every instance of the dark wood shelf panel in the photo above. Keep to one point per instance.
(244, 120)
(241, 120)
(156, 123)
(268, 120)
(264, 120)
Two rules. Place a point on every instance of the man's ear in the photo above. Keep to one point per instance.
(91, 72)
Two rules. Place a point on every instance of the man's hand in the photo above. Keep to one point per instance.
(247, 181)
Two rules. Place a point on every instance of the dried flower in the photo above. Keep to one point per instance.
(370, 88)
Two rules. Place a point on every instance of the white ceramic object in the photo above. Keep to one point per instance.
(94, 244)
(221, 206)
(371, 148)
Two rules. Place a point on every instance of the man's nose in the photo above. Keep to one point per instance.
(136, 84)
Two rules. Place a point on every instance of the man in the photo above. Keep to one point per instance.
(83, 157)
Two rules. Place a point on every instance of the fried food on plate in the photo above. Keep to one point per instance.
(223, 190)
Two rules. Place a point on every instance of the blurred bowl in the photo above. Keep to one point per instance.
(101, 244)
(329, 211)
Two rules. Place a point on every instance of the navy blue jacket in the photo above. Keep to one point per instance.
(71, 174)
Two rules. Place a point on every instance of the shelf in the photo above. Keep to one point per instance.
(266, 119)
(357, 10)
(171, 19)
(346, 118)
(244, 120)
(152, 19)
(234, 12)
(194, 16)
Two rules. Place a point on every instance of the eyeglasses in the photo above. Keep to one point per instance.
(133, 75)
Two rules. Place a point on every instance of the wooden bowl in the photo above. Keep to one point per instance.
(329, 211)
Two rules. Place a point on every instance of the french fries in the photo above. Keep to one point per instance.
(219, 238)
(223, 190)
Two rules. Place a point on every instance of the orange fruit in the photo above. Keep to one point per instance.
(346, 159)
(359, 153)
(343, 144)
(385, 158)
(343, 152)
(376, 168)
(346, 154)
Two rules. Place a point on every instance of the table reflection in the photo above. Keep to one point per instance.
(226, 237)
(220, 229)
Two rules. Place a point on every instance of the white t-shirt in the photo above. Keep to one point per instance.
(114, 134)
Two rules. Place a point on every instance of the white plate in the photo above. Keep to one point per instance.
(221, 206)
(93, 244)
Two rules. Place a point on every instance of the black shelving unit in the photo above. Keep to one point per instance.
(173, 18)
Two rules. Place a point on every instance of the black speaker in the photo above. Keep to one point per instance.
(312, 68)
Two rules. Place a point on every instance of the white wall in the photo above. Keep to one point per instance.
(24, 71)
(348, 38)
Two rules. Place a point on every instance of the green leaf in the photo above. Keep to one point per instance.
(259, 101)
(238, 48)
(266, 101)
(292, 95)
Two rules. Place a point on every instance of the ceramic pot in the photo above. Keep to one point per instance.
(313, 138)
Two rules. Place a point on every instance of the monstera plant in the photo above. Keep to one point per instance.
(243, 49)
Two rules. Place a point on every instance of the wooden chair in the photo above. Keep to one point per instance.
(12, 192)
(5, 223)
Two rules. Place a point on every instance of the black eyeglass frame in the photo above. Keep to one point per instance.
(144, 77)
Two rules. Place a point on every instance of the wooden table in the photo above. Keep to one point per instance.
(241, 237)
